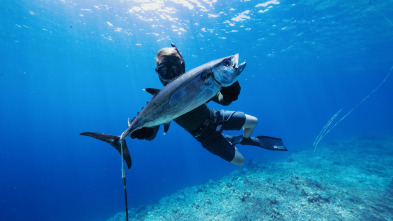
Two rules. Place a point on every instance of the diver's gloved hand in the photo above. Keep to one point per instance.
(232, 92)
(145, 133)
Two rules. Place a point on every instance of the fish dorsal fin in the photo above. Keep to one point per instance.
(166, 127)
(152, 91)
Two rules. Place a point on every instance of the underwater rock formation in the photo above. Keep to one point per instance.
(335, 183)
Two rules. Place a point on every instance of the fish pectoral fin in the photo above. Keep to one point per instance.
(152, 91)
(166, 127)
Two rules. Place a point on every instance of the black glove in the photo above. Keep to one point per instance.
(145, 133)
(232, 92)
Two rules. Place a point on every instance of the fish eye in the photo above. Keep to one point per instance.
(227, 62)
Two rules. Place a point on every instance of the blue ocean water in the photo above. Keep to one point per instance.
(71, 66)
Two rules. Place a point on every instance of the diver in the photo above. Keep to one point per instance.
(206, 125)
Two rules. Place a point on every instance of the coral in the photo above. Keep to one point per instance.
(355, 184)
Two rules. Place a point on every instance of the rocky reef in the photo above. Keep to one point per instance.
(345, 180)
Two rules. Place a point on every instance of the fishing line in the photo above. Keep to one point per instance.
(326, 129)
(322, 134)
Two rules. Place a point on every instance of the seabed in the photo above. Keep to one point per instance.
(346, 180)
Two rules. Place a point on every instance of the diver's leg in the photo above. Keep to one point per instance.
(249, 125)
(216, 144)
(238, 159)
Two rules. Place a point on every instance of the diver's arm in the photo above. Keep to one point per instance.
(220, 99)
(145, 133)
(228, 94)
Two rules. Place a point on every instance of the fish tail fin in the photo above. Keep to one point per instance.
(115, 141)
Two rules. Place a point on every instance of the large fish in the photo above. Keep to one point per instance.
(180, 96)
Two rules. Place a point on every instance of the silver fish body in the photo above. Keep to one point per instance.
(180, 96)
(187, 92)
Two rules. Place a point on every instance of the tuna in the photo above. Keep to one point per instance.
(180, 96)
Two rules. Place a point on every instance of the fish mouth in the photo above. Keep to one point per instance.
(241, 67)
(236, 65)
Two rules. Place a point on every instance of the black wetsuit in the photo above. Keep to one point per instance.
(194, 119)
(206, 126)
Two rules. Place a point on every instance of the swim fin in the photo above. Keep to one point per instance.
(269, 143)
